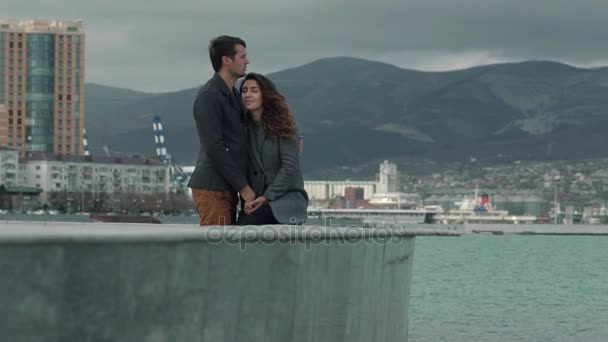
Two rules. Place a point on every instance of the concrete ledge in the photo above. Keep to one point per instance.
(74, 232)
(117, 282)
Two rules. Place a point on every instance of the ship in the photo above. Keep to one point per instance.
(479, 209)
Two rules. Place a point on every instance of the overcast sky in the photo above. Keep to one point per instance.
(158, 45)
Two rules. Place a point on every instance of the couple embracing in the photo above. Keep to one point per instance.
(249, 147)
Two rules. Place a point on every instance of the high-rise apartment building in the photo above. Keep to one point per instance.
(42, 86)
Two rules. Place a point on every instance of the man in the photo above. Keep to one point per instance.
(220, 118)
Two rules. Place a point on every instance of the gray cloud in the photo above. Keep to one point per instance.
(158, 45)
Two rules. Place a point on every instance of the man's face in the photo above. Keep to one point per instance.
(238, 65)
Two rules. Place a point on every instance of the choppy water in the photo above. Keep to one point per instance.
(510, 288)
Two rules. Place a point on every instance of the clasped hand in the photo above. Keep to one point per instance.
(254, 205)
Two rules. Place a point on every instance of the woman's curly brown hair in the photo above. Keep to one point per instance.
(277, 118)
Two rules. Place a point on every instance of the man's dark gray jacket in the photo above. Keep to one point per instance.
(222, 131)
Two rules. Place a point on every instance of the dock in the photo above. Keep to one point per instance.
(536, 229)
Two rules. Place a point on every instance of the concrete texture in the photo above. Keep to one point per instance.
(112, 282)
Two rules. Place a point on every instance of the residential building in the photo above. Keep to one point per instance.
(3, 125)
(42, 65)
(9, 167)
(55, 173)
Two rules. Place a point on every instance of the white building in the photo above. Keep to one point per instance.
(188, 170)
(95, 174)
(324, 190)
(9, 167)
(387, 182)
(385, 192)
(388, 178)
(395, 200)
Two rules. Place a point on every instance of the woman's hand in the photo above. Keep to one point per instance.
(254, 205)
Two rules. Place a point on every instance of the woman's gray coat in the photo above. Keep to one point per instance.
(274, 172)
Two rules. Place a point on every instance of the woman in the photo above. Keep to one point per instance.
(274, 158)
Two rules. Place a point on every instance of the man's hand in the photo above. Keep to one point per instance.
(250, 207)
(247, 194)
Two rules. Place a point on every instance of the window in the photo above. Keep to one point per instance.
(37, 167)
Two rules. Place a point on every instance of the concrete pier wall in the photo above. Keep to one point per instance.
(113, 282)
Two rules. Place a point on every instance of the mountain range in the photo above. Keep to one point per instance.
(355, 112)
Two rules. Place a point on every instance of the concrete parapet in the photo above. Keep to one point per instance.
(140, 282)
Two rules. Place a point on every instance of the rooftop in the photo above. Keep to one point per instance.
(41, 26)
(133, 160)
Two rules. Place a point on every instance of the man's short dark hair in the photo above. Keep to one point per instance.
(223, 46)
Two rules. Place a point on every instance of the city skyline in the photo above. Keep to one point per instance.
(159, 46)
